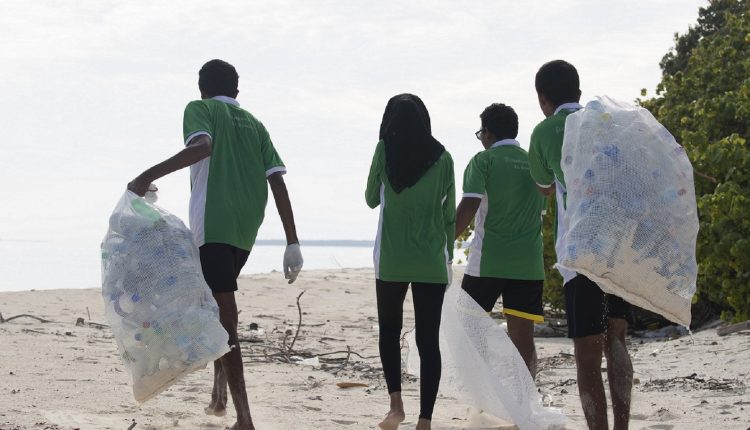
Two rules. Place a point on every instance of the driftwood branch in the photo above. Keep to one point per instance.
(299, 323)
(734, 328)
(5, 320)
(705, 176)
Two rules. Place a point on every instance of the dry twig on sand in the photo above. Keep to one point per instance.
(5, 320)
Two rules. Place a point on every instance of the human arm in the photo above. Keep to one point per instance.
(449, 212)
(467, 208)
(283, 206)
(539, 168)
(197, 149)
(292, 255)
(374, 181)
(546, 191)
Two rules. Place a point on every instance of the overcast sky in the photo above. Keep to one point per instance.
(93, 91)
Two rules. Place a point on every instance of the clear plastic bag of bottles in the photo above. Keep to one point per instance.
(631, 221)
(482, 368)
(163, 316)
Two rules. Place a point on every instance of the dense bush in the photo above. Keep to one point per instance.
(704, 100)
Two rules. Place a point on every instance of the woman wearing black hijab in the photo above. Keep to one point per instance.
(411, 179)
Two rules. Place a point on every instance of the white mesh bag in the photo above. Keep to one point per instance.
(631, 221)
(163, 316)
(482, 368)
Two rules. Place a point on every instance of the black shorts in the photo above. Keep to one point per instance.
(521, 298)
(221, 264)
(588, 307)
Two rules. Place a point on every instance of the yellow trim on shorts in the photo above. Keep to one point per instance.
(525, 315)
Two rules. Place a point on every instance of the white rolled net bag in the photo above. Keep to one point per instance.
(631, 213)
(482, 368)
(163, 316)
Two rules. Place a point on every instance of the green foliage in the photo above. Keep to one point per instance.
(704, 99)
(553, 294)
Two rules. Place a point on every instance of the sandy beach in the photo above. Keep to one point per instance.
(63, 375)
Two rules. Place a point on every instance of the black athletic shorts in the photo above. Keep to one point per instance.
(521, 298)
(588, 307)
(221, 264)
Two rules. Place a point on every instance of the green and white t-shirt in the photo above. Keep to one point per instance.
(546, 170)
(229, 188)
(416, 227)
(508, 225)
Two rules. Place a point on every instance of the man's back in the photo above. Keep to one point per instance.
(229, 191)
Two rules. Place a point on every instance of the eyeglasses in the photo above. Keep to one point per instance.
(478, 133)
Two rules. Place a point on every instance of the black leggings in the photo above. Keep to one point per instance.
(428, 303)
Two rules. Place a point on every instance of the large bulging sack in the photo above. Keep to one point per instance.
(163, 316)
(631, 221)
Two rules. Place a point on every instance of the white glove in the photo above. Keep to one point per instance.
(450, 272)
(292, 262)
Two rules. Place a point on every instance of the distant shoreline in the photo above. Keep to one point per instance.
(344, 243)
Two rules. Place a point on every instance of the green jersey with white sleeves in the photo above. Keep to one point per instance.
(507, 239)
(546, 170)
(416, 227)
(229, 190)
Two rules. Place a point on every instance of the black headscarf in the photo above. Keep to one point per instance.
(410, 149)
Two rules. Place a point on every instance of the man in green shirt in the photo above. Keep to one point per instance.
(597, 322)
(505, 257)
(232, 161)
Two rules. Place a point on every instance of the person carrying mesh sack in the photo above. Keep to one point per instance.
(506, 256)
(597, 322)
(232, 161)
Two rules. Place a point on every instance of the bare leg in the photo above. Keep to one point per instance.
(231, 362)
(218, 405)
(619, 371)
(396, 415)
(521, 332)
(424, 424)
(588, 354)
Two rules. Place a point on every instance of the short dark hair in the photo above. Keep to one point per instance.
(500, 120)
(558, 82)
(218, 78)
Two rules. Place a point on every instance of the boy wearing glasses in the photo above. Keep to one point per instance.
(505, 257)
(597, 322)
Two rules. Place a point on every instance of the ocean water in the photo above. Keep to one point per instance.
(40, 265)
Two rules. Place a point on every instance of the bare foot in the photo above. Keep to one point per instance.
(424, 424)
(236, 426)
(215, 410)
(392, 420)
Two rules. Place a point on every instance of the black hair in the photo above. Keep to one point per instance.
(218, 78)
(558, 82)
(500, 120)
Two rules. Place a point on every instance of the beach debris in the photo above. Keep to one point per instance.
(734, 328)
(693, 382)
(351, 384)
(132, 425)
(5, 320)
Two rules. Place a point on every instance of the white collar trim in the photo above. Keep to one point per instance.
(505, 142)
(227, 100)
(568, 106)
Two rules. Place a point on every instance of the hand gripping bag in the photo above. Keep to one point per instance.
(631, 221)
(162, 313)
(482, 368)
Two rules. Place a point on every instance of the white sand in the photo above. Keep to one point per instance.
(61, 376)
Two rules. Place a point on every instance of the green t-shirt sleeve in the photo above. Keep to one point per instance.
(539, 167)
(196, 120)
(449, 210)
(271, 159)
(475, 177)
(374, 181)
